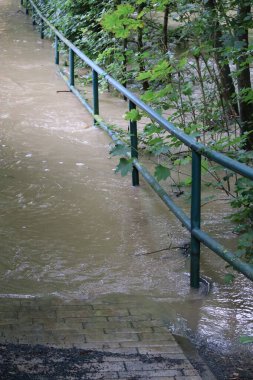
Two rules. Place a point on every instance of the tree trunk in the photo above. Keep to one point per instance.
(165, 29)
(244, 82)
(228, 92)
(125, 44)
(142, 66)
(116, 3)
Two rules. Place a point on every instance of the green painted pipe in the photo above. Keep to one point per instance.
(134, 145)
(195, 219)
(56, 51)
(95, 94)
(26, 8)
(71, 68)
(42, 28)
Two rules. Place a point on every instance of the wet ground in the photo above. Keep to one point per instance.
(39, 362)
(99, 339)
(72, 229)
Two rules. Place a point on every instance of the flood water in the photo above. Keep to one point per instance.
(72, 228)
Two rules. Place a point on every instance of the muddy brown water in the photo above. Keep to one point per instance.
(72, 228)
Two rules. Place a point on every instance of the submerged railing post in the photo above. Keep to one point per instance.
(95, 94)
(71, 68)
(56, 50)
(26, 8)
(134, 144)
(195, 218)
(41, 28)
(33, 16)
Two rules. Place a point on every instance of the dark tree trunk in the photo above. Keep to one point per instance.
(142, 66)
(228, 92)
(116, 3)
(125, 43)
(244, 82)
(227, 84)
(165, 29)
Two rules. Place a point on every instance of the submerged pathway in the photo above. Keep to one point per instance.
(113, 340)
(55, 322)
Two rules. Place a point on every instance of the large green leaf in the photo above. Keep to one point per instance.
(161, 172)
(133, 115)
(119, 150)
(124, 166)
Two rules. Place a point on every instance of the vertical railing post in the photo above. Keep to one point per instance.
(41, 28)
(134, 144)
(21, 2)
(26, 8)
(71, 68)
(195, 218)
(33, 16)
(56, 50)
(95, 94)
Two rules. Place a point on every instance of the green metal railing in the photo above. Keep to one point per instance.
(198, 150)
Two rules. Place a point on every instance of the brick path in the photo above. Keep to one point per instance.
(131, 343)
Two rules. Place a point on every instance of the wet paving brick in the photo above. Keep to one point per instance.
(52, 339)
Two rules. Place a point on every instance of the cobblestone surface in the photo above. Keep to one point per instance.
(52, 339)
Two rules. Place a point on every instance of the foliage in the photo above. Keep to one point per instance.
(121, 22)
(124, 166)
(245, 339)
(161, 172)
(80, 22)
(119, 150)
(243, 203)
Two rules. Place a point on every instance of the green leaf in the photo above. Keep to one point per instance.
(188, 181)
(161, 172)
(119, 150)
(187, 89)
(141, 14)
(160, 149)
(229, 278)
(124, 166)
(120, 22)
(148, 96)
(159, 72)
(245, 339)
(144, 75)
(150, 129)
(133, 115)
(182, 63)
(155, 141)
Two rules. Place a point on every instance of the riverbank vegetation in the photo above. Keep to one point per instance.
(190, 61)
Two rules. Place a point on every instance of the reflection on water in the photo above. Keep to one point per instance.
(71, 227)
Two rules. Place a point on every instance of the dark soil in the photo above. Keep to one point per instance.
(26, 362)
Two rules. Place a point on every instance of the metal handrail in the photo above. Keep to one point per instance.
(193, 223)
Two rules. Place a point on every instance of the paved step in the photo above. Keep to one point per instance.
(94, 340)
